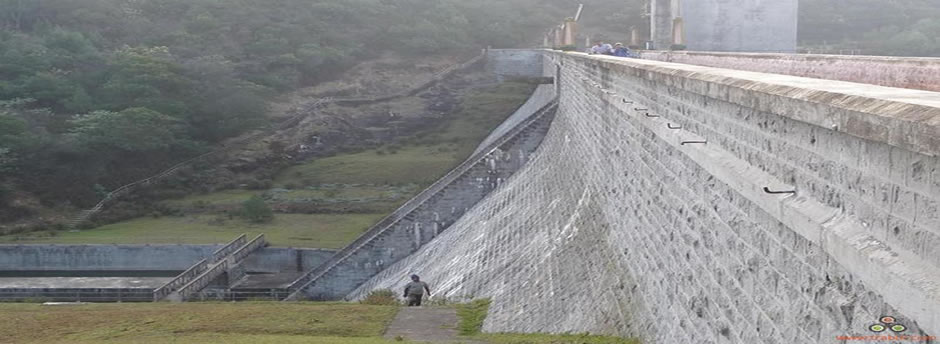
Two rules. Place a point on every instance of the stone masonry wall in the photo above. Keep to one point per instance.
(615, 226)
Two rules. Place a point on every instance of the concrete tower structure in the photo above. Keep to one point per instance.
(720, 25)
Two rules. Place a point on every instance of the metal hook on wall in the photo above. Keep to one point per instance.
(769, 191)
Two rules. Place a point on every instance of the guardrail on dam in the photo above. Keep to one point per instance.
(691, 204)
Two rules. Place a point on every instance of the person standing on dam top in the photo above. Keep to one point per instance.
(414, 291)
(622, 51)
(602, 48)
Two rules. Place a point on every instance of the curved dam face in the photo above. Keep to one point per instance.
(688, 204)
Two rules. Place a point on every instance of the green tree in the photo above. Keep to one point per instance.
(256, 210)
(147, 77)
(131, 130)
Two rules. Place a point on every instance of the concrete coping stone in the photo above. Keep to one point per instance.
(904, 118)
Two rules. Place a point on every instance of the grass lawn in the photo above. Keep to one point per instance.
(342, 192)
(272, 322)
(409, 165)
(243, 322)
(473, 314)
(227, 197)
(337, 193)
(295, 230)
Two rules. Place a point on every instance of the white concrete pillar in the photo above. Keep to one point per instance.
(571, 28)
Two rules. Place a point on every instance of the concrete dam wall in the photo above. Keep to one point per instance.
(690, 204)
(431, 213)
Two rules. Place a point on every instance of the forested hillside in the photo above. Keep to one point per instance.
(875, 27)
(95, 93)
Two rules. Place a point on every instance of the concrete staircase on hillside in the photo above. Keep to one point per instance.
(223, 261)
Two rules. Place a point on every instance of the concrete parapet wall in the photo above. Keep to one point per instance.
(148, 258)
(77, 294)
(622, 225)
(921, 73)
(102, 257)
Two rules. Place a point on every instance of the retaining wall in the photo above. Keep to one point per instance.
(102, 257)
(905, 72)
(273, 260)
(621, 225)
(147, 258)
(77, 294)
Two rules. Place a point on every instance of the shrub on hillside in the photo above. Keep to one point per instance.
(257, 211)
(381, 297)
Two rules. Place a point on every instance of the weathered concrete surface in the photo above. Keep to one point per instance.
(267, 281)
(721, 25)
(662, 13)
(618, 227)
(513, 63)
(83, 282)
(921, 73)
(90, 294)
(148, 258)
(425, 324)
(272, 260)
(102, 257)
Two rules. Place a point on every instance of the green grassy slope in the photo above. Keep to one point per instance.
(244, 322)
